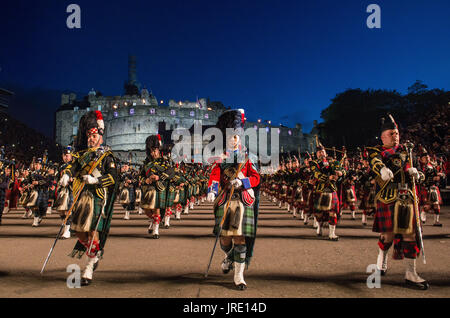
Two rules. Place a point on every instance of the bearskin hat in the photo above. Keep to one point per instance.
(422, 151)
(234, 118)
(91, 122)
(152, 141)
(388, 124)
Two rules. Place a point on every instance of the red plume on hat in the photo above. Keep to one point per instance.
(100, 121)
(159, 138)
(242, 115)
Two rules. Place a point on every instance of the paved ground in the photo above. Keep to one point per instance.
(289, 260)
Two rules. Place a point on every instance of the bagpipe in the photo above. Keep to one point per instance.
(164, 173)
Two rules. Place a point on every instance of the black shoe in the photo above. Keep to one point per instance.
(435, 224)
(228, 267)
(150, 231)
(334, 239)
(421, 286)
(166, 226)
(155, 236)
(86, 282)
(241, 287)
(382, 271)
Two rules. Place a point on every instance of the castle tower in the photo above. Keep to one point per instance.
(132, 86)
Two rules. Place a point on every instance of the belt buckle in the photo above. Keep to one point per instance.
(402, 189)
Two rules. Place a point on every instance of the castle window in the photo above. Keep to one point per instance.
(116, 114)
(131, 111)
(75, 108)
(152, 111)
(173, 112)
(99, 107)
(290, 133)
(192, 113)
(206, 116)
(75, 130)
(134, 103)
(88, 109)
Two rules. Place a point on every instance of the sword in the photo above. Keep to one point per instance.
(98, 155)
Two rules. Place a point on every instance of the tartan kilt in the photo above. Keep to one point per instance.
(42, 200)
(384, 218)
(424, 194)
(190, 189)
(83, 220)
(98, 207)
(307, 198)
(160, 197)
(52, 194)
(324, 216)
(170, 197)
(183, 197)
(204, 189)
(334, 202)
(248, 220)
(132, 194)
(351, 195)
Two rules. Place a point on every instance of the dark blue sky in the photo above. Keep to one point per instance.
(280, 60)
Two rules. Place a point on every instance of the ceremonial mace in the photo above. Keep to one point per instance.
(409, 146)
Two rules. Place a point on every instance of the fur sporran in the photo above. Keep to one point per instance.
(83, 212)
(177, 197)
(232, 224)
(324, 201)
(149, 198)
(350, 195)
(62, 200)
(31, 199)
(433, 196)
(124, 197)
(403, 215)
(138, 195)
(299, 195)
(23, 199)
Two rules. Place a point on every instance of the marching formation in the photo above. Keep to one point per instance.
(394, 189)
(387, 182)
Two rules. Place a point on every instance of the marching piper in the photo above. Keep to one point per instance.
(95, 177)
(235, 219)
(395, 216)
(326, 172)
(429, 194)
